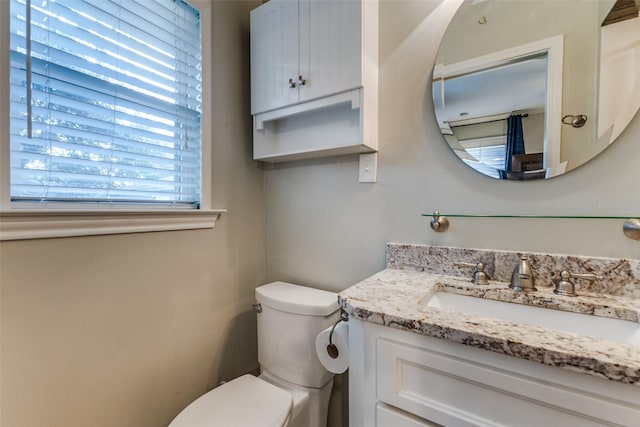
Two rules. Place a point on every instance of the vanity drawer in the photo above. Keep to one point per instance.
(387, 416)
(451, 390)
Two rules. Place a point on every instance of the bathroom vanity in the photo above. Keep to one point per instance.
(429, 347)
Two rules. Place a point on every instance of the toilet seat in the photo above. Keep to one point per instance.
(246, 401)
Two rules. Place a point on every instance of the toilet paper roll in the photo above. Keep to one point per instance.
(340, 339)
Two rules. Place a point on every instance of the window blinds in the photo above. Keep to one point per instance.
(105, 101)
(490, 159)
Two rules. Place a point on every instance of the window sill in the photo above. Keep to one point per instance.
(21, 225)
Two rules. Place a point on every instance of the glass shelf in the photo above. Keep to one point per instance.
(456, 215)
(631, 226)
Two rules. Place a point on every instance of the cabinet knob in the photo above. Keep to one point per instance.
(292, 84)
(301, 81)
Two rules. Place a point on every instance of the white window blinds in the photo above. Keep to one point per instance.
(490, 159)
(105, 101)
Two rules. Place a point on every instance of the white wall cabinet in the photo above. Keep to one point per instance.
(314, 78)
(398, 378)
(303, 50)
(274, 55)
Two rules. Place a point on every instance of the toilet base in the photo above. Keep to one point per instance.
(310, 405)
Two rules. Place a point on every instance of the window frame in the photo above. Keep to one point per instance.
(46, 220)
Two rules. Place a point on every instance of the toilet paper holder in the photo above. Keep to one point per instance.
(332, 350)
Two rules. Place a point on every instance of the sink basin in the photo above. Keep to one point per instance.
(621, 331)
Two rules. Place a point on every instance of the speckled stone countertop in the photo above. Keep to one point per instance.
(397, 297)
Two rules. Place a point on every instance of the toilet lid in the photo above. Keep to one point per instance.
(297, 299)
(244, 402)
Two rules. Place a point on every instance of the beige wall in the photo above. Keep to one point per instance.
(325, 229)
(126, 330)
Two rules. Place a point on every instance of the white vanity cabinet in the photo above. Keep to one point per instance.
(403, 379)
(314, 78)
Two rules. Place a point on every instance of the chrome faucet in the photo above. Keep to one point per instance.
(522, 279)
(479, 276)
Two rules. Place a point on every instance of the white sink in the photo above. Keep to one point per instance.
(621, 331)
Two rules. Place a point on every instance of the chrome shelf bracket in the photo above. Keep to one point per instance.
(439, 223)
(631, 229)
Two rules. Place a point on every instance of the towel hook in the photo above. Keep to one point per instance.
(576, 121)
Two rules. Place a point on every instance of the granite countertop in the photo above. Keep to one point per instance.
(397, 298)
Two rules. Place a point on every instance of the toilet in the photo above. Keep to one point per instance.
(293, 388)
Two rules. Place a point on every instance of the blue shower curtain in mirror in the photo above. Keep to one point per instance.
(515, 142)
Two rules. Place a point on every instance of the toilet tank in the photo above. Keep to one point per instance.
(291, 318)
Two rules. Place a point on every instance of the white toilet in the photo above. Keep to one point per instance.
(293, 388)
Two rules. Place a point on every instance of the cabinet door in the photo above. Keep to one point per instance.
(330, 41)
(274, 55)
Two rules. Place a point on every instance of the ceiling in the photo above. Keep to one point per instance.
(517, 87)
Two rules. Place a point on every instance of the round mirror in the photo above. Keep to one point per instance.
(532, 89)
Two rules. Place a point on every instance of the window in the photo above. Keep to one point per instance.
(158, 181)
(486, 155)
(105, 103)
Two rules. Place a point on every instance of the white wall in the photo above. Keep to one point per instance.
(325, 229)
(619, 74)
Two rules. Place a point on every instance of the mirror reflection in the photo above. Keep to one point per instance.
(530, 90)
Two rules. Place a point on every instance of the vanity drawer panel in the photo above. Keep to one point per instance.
(387, 416)
(454, 391)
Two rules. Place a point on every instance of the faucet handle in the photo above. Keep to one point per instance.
(586, 276)
(479, 275)
(564, 285)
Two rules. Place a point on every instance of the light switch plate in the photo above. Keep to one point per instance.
(368, 168)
